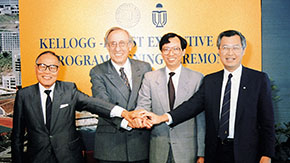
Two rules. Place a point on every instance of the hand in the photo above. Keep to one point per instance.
(140, 123)
(156, 119)
(130, 116)
(200, 160)
(265, 159)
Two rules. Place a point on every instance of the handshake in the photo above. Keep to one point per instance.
(143, 119)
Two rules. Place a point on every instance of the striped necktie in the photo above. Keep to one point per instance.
(224, 120)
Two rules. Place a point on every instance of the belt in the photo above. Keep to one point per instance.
(227, 141)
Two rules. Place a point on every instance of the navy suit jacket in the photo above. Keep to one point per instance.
(254, 125)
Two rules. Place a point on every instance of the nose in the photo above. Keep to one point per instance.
(171, 52)
(231, 51)
(117, 47)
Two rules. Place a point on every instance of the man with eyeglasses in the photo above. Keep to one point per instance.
(161, 91)
(118, 81)
(238, 106)
(46, 112)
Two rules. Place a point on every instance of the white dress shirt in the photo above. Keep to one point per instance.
(43, 97)
(235, 84)
(175, 77)
(128, 72)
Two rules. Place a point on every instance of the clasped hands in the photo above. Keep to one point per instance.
(142, 118)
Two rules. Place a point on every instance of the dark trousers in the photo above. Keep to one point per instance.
(170, 158)
(142, 161)
(225, 151)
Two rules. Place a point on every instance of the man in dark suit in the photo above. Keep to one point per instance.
(238, 107)
(46, 111)
(118, 81)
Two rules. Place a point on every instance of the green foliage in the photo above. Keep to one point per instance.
(5, 62)
(282, 131)
(8, 18)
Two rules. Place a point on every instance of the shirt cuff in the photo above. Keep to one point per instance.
(170, 121)
(116, 111)
(124, 125)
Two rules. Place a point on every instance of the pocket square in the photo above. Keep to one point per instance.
(63, 105)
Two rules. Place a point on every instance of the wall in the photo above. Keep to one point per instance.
(275, 51)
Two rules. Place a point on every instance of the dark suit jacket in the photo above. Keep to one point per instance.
(254, 124)
(112, 142)
(62, 139)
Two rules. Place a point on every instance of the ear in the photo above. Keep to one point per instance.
(183, 52)
(130, 45)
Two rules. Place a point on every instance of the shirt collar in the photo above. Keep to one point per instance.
(42, 88)
(126, 66)
(176, 71)
(236, 74)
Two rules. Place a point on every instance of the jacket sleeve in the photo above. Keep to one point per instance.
(94, 105)
(190, 108)
(18, 130)
(200, 125)
(266, 118)
(144, 98)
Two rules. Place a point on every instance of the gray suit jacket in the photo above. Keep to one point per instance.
(62, 138)
(186, 139)
(112, 142)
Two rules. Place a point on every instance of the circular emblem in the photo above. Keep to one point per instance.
(127, 15)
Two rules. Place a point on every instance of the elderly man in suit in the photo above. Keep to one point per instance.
(46, 111)
(184, 142)
(238, 108)
(118, 81)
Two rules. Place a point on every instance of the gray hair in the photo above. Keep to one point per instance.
(114, 29)
(230, 33)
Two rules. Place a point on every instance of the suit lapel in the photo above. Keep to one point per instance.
(36, 105)
(115, 79)
(162, 90)
(136, 82)
(216, 88)
(57, 96)
(182, 90)
(242, 94)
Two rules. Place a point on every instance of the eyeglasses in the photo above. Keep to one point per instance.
(236, 49)
(121, 44)
(175, 50)
(43, 67)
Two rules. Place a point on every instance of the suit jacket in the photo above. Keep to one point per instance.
(112, 142)
(62, 139)
(186, 139)
(254, 125)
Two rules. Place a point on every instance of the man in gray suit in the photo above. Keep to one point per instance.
(46, 111)
(118, 81)
(164, 89)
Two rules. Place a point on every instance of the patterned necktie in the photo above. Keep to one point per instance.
(48, 105)
(224, 120)
(171, 91)
(124, 77)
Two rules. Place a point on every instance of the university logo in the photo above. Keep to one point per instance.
(159, 16)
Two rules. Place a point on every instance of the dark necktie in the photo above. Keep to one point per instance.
(171, 91)
(124, 77)
(224, 120)
(48, 105)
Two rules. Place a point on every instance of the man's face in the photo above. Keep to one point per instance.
(231, 52)
(45, 77)
(119, 46)
(172, 53)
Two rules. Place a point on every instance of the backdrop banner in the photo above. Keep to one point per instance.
(75, 30)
